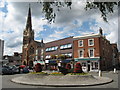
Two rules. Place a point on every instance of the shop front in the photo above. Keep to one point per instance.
(89, 64)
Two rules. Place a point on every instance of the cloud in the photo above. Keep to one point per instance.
(15, 20)
(2, 3)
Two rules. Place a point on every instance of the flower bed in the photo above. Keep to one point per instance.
(42, 73)
(77, 74)
(56, 73)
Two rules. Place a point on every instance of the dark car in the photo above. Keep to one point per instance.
(25, 70)
(15, 69)
(7, 70)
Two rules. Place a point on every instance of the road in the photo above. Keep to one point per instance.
(6, 83)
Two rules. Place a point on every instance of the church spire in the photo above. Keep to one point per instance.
(29, 21)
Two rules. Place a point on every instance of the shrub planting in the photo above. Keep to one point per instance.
(68, 66)
(41, 73)
(77, 74)
(63, 70)
(56, 73)
(78, 68)
(38, 67)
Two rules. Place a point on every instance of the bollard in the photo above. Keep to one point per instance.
(100, 73)
(114, 70)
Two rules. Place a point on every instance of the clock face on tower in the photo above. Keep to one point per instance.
(25, 32)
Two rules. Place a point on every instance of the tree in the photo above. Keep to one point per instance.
(53, 57)
(104, 7)
(62, 57)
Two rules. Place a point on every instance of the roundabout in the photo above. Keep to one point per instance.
(61, 80)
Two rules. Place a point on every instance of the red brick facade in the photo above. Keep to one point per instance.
(86, 47)
(102, 49)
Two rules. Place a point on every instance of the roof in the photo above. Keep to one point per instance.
(38, 43)
(59, 39)
(87, 36)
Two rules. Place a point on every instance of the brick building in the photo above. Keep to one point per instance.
(94, 52)
(115, 59)
(15, 59)
(56, 50)
(32, 50)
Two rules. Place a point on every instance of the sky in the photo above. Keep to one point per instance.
(69, 22)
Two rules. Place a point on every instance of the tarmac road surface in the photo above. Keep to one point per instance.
(6, 83)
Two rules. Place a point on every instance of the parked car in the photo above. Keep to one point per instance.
(7, 70)
(25, 70)
(15, 69)
(0, 71)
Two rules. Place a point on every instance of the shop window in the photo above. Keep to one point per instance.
(94, 65)
(84, 64)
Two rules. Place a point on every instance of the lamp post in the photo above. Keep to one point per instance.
(72, 63)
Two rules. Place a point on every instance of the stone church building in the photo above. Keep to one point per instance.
(32, 50)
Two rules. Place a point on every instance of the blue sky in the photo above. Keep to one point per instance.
(74, 22)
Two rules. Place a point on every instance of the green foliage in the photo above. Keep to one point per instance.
(77, 74)
(71, 70)
(49, 11)
(104, 7)
(53, 56)
(56, 73)
(62, 57)
(42, 73)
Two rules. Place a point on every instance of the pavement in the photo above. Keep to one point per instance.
(61, 80)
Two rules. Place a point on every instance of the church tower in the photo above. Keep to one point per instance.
(32, 50)
(28, 37)
(28, 34)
